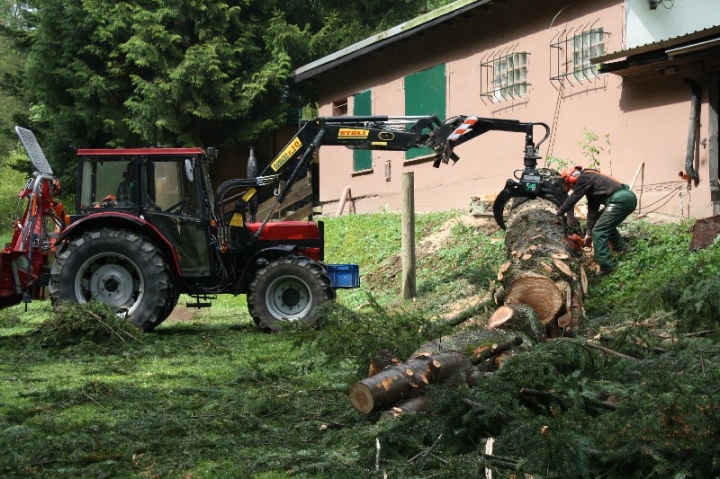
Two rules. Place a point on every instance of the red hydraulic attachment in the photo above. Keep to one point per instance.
(24, 262)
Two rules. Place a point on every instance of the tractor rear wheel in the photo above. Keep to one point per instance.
(289, 290)
(117, 267)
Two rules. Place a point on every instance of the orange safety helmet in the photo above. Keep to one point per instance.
(570, 175)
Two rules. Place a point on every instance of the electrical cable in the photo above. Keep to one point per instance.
(667, 198)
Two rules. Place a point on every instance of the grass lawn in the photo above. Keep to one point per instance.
(208, 395)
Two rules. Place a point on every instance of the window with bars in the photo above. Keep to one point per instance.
(586, 45)
(506, 77)
(572, 51)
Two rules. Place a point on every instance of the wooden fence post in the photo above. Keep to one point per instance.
(408, 236)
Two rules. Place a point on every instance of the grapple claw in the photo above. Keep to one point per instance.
(501, 200)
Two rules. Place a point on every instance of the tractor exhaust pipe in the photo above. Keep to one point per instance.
(690, 171)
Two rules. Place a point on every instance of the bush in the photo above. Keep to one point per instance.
(11, 182)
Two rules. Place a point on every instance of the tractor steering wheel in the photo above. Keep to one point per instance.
(176, 206)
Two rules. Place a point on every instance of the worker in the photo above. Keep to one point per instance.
(126, 189)
(601, 228)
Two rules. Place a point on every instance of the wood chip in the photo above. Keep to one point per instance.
(564, 268)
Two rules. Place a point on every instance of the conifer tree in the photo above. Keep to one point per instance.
(178, 72)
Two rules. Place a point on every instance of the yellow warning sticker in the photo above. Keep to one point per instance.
(249, 194)
(237, 220)
(288, 153)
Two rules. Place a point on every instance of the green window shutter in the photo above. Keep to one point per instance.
(425, 95)
(362, 105)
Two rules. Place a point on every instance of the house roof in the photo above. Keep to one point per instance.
(388, 37)
(664, 56)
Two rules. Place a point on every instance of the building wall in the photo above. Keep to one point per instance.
(645, 122)
(669, 19)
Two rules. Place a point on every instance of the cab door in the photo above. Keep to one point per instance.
(176, 207)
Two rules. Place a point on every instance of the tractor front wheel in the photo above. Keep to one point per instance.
(116, 267)
(289, 290)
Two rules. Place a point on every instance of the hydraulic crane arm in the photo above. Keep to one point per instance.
(391, 133)
(398, 133)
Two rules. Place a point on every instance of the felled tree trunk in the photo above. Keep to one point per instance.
(543, 284)
(542, 272)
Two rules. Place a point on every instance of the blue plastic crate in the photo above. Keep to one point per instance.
(344, 275)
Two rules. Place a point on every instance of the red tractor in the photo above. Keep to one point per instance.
(148, 226)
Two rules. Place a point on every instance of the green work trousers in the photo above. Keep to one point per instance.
(617, 208)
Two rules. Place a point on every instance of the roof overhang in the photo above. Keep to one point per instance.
(388, 37)
(695, 51)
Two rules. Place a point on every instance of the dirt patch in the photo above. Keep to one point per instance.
(433, 243)
(183, 313)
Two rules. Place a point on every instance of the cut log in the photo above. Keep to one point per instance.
(538, 292)
(465, 342)
(412, 405)
(404, 380)
(540, 295)
(484, 353)
(565, 320)
(382, 360)
(519, 317)
(564, 268)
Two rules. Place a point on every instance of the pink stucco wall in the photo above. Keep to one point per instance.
(646, 122)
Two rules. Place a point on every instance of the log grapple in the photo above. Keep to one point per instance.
(530, 182)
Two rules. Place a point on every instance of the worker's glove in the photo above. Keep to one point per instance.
(587, 241)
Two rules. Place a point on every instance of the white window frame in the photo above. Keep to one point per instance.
(510, 75)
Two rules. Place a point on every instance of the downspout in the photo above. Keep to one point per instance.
(693, 130)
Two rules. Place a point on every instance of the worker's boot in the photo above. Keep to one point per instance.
(622, 249)
(604, 271)
(625, 248)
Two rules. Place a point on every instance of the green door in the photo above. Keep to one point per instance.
(362, 105)
(425, 95)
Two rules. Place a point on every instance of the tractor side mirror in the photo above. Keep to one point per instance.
(189, 170)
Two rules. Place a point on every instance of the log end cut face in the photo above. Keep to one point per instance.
(538, 292)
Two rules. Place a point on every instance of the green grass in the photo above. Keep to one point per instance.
(213, 397)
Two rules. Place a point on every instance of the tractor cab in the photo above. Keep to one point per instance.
(167, 188)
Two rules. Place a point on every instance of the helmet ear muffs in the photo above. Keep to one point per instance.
(570, 175)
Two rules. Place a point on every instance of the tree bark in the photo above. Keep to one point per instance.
(412, 405)
(465, 342)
